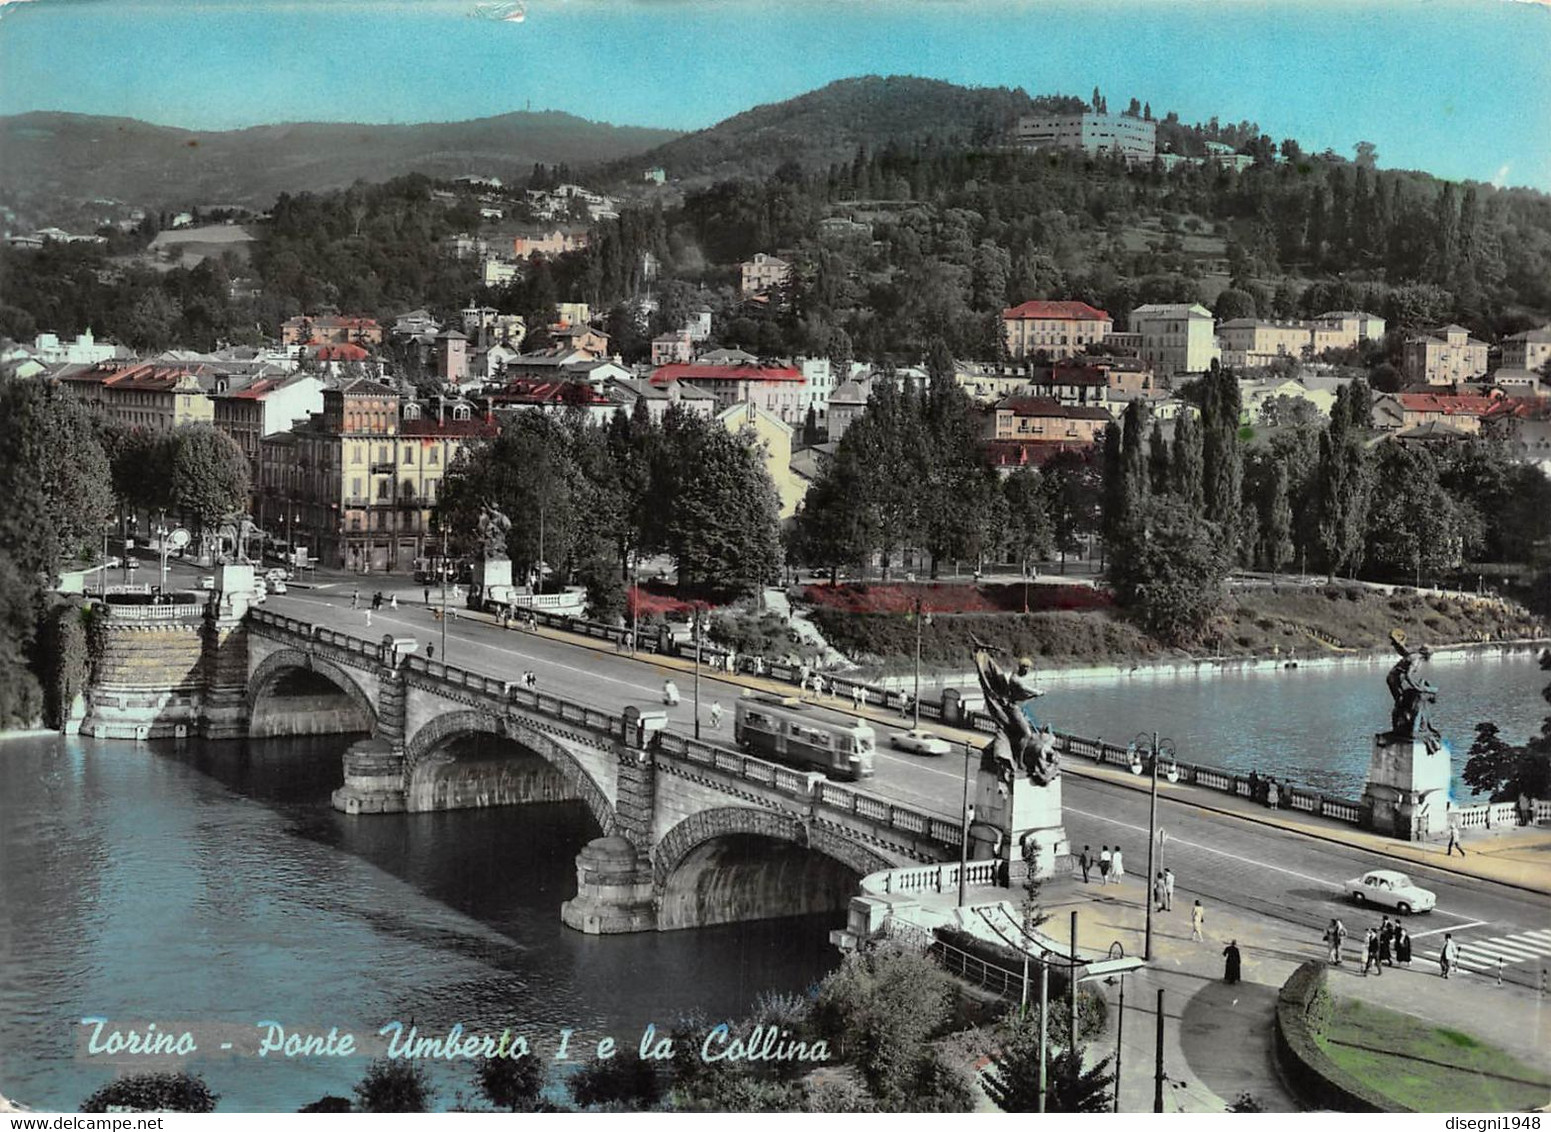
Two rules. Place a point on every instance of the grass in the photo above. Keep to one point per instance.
(1428, 1068)
(1274, 621)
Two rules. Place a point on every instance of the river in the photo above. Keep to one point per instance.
(214, 884)
(1312, 726)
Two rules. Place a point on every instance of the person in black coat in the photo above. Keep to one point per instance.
(1387, 942)
(1231, 962)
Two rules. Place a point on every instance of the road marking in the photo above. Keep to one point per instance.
(1455, 928)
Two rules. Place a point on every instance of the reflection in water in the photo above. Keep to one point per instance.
(213, 884)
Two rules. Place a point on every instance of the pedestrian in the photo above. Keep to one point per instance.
(393, 602)
(1106, 862)
(1157, 889)
(1273, 794)
(1332, 945)
(1386, 943)
(1371, 952)
(861, 698)
(1117, 867)
(716, 715)
(1168, 890)
(377, 600)
(430, 652)
(1340, 941)
(1448, 957)
(355, 598)
(368, 613)
(1454, 838)
(428, 596)
(1254, 786)
(1197, 922)
(1085, 861)
(1403, 947)
(1231, 962)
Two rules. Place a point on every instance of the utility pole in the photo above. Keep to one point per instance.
(1156, 749)
(697, 669)
(1157, 1088)
(964, 814)
(917, 698)
(1044, 1023)
(1071, 987)
(443, 572)
(1120, 1033)
(635, 600)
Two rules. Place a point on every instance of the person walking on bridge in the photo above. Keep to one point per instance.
(1168, 890)
(1197, 923)
(1448, 957)
(1106, 862)
(1085, 861)
(1117, 867)
(1454, 842)
(1232, 962)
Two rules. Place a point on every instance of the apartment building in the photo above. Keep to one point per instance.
(1058, 329)
(762, 273)
(1135, 139)
(1447, 354)
(1529, 349)
(1175, 337)
(145, 394)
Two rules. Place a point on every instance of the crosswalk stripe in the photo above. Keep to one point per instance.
(1530, 939)
(1465, 960)
(1543, 936)
(1515, 953)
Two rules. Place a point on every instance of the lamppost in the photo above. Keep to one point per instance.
(695, 630)
(443, 570)
(1155, 748)
(635, 599)
(920, 619)
(965, 814)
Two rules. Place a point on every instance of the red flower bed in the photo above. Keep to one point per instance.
(939, 597)
(641, 601)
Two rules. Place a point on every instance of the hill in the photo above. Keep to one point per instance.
(827, 125)
(47, 156)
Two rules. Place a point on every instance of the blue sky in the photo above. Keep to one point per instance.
(1457, 87)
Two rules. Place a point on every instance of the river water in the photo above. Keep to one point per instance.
(214, 885)
(1312, 726)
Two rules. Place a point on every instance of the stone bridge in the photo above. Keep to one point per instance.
(690, 834)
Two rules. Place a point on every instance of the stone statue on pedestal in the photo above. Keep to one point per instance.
(1408, 718)
(493, 525)
(1019, 746)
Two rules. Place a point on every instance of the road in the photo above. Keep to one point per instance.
(1223, 860)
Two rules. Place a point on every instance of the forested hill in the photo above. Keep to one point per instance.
(827, 125)
(84, 156)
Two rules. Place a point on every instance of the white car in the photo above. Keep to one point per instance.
(921, 742)
(207, 582)
(276, 585)
(1385, 888)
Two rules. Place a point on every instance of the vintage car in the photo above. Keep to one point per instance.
(920, 742)
(1385, 888)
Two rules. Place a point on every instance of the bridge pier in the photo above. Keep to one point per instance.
(374, 779)
(613, 891)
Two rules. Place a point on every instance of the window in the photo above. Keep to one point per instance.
(435, 457)
(355, 488)
(355, 454)
(409, 455)
(382, 489)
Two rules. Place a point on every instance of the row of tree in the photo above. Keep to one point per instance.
(589, 500)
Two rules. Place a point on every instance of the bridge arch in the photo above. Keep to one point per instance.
(356, 713)
(422, 758)
(717, 866)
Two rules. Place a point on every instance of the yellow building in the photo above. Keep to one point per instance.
(774, 438)
(1447, 355)
(1058, 329)
(145, 395)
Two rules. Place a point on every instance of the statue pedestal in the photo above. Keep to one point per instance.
(493, 572)
(1016, 822)
(1408, 787)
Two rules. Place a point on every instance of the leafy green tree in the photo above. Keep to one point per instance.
(1029, 532)
(1413, 523)
(1222, 463)
(210, 476)
(1012, 1081)
(394, 1085)
(512, 1083)
(154, 1092)
(879, 1009)
(1186, 472)
(722, 518)
(1169, 571)
(1232, 303)
(624, 1082)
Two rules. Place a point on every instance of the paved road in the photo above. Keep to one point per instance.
(1223, 860)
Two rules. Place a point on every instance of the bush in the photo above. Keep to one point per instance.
(394, 1085)
(154, 1092)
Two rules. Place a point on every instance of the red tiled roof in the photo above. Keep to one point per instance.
(1522, 408)
(342, 352)
(1067, 311)
(141, 375)
(1466, 404)
(688, 371)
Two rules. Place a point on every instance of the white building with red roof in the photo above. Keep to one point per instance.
(778, 389)
(1059, 329)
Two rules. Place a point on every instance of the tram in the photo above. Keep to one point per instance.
(788, 731)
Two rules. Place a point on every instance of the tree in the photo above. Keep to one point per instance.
(1169, 571)
(1028, 530)
(1342, 486)
(209, 475)
(1012, 1081)
(512, 1083)
(1413, 524)
(879, 1009)
(153, 1092)
(1367, 155)
(1276, 520)
(1232, 303)
(1222, 463)
(624, 1081)
(1186, 474)
(394, 1085)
